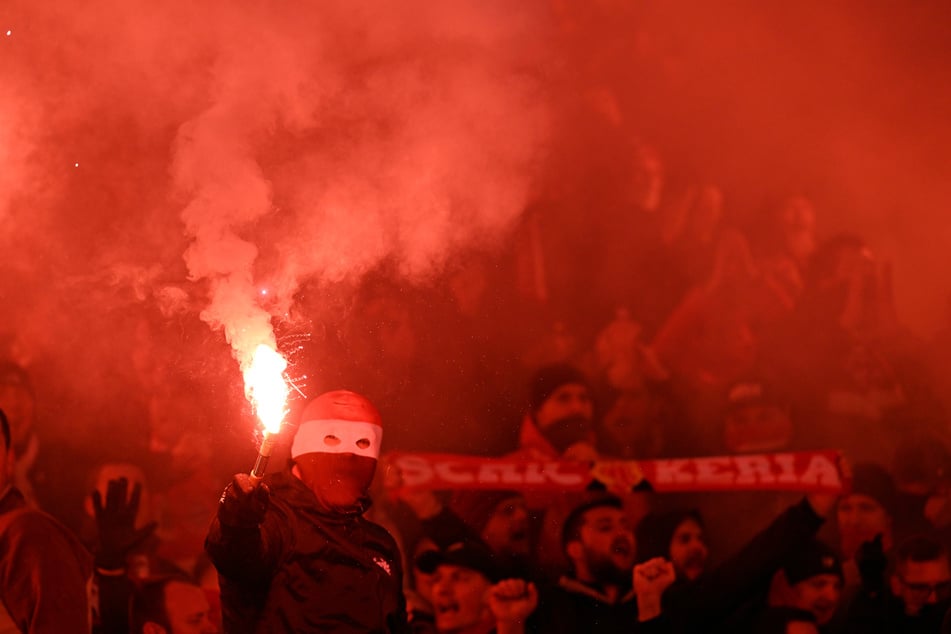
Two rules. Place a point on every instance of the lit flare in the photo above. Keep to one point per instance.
(266, 388)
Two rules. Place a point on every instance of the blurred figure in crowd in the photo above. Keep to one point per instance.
(598, 594)
(787, 243)
(866, 512)
(560, 420)
(757, 418)
(914, 598)
(469, 596)
(783, 620)
(44, 570)
(19, 402)
(677, 536)
(501, 520)
(170, 605)
(712, 338)
(812, 581)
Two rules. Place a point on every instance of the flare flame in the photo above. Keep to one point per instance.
(266, 388)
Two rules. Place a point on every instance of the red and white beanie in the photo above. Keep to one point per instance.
(339, 422)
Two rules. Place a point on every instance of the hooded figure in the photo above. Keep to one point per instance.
(295, 554)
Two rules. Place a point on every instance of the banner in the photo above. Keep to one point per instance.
(809, 472)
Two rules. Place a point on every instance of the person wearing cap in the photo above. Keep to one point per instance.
(470, 596)
(604, 591)
(757, 418)
(813, 575)
(295, 553)
(867, 510)
(501, 521)
(914, 597)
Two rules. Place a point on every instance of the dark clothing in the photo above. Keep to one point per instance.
(884, 613)
(305, 569)
(703, 605)
(44, 571)
(573, 607)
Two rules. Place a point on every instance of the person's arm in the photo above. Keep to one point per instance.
(750, 570)
(116, 537)
(651, 579)
(43, 576)
(246, 536)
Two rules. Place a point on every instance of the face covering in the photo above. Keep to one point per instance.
(567, 431)
(340, 481)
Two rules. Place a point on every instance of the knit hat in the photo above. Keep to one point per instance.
(815, 558)
(551, 377)
(339, 422)
(875, 482)
(476, 507)
(656, 530)
(465, 554)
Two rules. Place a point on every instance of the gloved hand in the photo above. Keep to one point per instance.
(872, 563)
(115, 521)
(243, 504)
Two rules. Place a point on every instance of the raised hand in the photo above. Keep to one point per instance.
(243, 504)
(115, 521)
(872, 562)
(511, 602)
(653, 577)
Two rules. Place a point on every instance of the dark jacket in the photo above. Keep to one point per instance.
(306, 569)
(574, 607)
(714, 599)
(44, 571)
(883, 613)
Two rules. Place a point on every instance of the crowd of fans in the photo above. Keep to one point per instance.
(668, 329)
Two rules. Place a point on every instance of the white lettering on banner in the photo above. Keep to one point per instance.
(444, 471)
(414, 471)
(753, 470)
(714, 471)
(672, 472)
(495, 472)
(821, 471)
(533, 473)
(564, 479)
(727, 471)
(787, 467)
(710, 473)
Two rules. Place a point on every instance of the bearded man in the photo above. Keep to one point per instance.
(294, 553)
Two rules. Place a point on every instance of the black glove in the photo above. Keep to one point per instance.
(115, 521)
(872, 563)
(243, 504)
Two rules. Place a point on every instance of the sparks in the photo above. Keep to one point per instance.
(9, 33)
(264, 291)
(265, 387)
(75, 164)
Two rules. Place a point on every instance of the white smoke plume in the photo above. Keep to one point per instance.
(268, 143)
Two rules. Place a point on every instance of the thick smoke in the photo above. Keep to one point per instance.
(160, 161)
(267, 143)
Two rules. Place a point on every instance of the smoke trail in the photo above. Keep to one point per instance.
(402, 131)
(268, 143)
